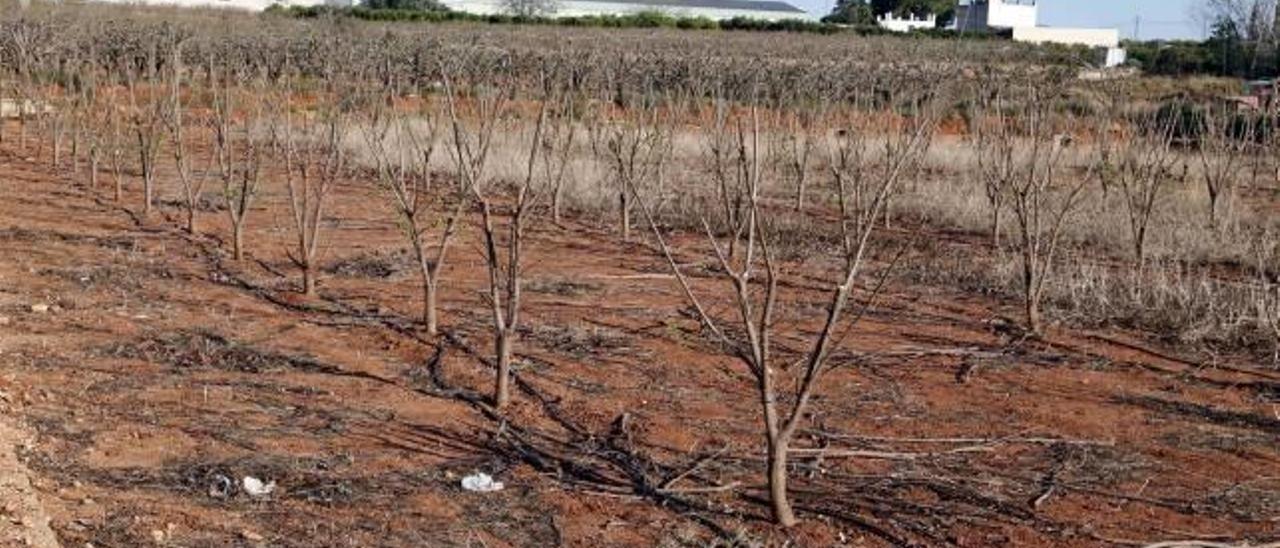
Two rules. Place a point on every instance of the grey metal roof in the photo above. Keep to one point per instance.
(751, 5)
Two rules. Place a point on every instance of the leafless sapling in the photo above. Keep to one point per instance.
(753, 277)
(1024, 155)
(191, 180)
(1223, 142)
(315, 160)
(1141, 165)
(147, 123)
(635, 150)
(239, 155)
(403, 146)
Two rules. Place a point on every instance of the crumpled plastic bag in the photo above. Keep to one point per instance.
(256, 488)
(481, 482)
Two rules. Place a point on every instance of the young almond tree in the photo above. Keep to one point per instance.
(1025, 153)
(504, 246)
(238, 154)
(314, 162)
(192, 182)
(472, 141)
(147, 122)
(996, 170)
(753, 277)
(635, 150)
(1141, 165)
(798, 145)
(1222, 149)
(403, 146)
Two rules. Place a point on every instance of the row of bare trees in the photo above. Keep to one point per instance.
(836, 159)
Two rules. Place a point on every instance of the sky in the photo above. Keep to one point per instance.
(1154, 18)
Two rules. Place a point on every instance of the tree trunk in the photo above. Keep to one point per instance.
(308, 281)
(1213, 209)
(995, 227)
(191, 219)
(1033, 312)
(502, 387)
(800, 188)
(237, 240)
(429, 316)
(147, 188)
(75, 149)
(781, 505)
(556, 198)
(57, 146)
(625, 216)
(1140, 247)
(1031, 292)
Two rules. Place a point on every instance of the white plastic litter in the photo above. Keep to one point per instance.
(256, 488)
(481, 482)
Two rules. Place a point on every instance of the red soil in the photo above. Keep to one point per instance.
(163, 365)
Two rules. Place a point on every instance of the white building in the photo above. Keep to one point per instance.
(1022, 17)
(767, 10)
(892, 22)
(981, 15)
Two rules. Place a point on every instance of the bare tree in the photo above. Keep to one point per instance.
(997, 169)
(635, 150)
(754, 276)
(314, 162)
(798, 145)
(1224, 141)
(404, 173)
(1141, 165)
(238, 154)
(470, 150)
(1025, 155)
(504, 247)
(147, 122)
(192, 182)
(564, 138)
(93, 119)
(115, 143)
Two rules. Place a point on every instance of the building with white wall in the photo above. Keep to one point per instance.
(1094, 38)
(892, 22)
(983, 15)
(1022, 18)
(1107, 40)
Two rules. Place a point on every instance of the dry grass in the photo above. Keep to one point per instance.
(1197, 288)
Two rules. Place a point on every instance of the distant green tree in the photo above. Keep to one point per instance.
(1226, 49)
(851, 12)
(865, 12)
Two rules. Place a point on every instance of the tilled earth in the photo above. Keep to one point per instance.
(156, 374)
